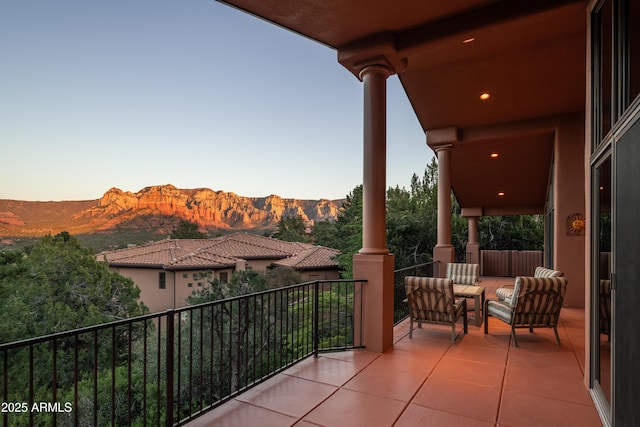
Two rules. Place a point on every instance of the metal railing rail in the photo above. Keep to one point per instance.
(167, 368)
(400, 309)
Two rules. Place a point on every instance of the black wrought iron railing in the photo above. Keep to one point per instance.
(167, 368)
(400, 309)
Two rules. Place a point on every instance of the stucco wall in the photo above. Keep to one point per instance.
(151, 295)
(569, 198)
(308, 276)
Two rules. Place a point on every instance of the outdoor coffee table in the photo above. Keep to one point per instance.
(475, 292)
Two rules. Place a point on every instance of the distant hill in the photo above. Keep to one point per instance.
(158, 209)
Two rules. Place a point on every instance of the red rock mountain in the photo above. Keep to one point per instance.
(158, 208)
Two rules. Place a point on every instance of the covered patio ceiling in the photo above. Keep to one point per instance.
(528, 56)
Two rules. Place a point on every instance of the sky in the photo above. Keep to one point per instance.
(135, 93)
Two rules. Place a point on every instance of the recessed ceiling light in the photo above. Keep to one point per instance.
(494, 155)
(469, 40)
(501, 193)
(485, 96)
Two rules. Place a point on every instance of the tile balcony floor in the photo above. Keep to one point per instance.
(482, 380)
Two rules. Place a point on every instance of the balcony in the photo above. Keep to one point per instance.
(482, 380)
(197, 366)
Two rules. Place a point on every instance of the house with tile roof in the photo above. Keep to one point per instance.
(168, 271)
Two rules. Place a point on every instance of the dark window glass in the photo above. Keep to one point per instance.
(162, 280)
(605, 50)
(633, 51)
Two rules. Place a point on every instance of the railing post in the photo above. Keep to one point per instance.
(170, 365)
(316, 317)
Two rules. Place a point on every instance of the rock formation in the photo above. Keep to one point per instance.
(212, 210)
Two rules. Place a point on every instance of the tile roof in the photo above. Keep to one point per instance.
(221, 252)
(314, 257)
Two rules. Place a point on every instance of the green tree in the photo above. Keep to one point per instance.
(57, 285)
(518, 232)
(412, 219)
(188, 230)
(348, 231)
(279, 277)
(292, 229)
(324, 233)
(231, 325)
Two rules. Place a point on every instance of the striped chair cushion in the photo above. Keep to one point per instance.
(538, 300)
(431, 299)
(500, 309)
(547, 272)
(463, 274)
(464, 280)
(505, 293)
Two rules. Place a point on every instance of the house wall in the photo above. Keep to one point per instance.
(258, 265)
(310, 275)
(177, 288)
(180, 284)
(570, 199)
(151, 295)
(189, 281)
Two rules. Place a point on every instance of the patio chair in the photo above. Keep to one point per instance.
(536, 303)
(505, 292)
(463, 274)
(431, 300)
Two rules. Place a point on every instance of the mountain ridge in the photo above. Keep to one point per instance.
(159, 207)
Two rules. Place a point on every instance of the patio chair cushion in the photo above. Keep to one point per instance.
(505, 293)
(464, 280)
(462, 269)
(500, 309)
(547, 272)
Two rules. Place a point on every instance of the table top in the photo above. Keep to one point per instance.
(467, 290)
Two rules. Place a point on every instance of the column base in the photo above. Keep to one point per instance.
(377, 304)
(443, 255)
(473, 253)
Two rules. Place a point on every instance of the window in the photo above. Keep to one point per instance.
(616, 64)
(162, 280)
(632, 16)
(224, 277)
(603, 70)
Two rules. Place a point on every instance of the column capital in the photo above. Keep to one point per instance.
(443, 136)
(442, 147)
(375, 68)
(376, 50)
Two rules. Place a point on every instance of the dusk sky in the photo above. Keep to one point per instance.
(134, 93)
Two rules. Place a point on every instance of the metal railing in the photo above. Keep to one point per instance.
(400, 309)
(167, 368)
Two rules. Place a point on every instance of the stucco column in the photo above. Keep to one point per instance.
(473, 248)
(374, 263)
(443, 251)
(374, 240)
